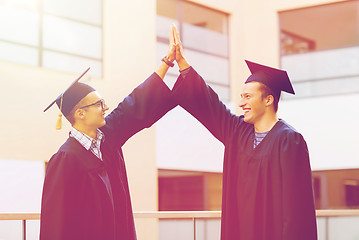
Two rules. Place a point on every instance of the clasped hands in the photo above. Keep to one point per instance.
(175, 50)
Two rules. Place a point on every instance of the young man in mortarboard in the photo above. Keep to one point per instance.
(267, 184)
(85, 194)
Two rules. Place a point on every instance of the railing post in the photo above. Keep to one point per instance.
(194, 228)
(24, 229)
(327, 228)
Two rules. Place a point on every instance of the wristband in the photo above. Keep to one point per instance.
(165, 60)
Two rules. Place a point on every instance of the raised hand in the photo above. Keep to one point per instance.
(167, 61)
(171, 54)
(180, 59)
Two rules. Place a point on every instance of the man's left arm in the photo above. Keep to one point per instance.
(143, 107)
(146, 104)
(299, 221)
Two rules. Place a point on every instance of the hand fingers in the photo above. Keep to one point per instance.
(176, 34)
(171, 37)
(179, 46)
(173, 27)
(171, 54)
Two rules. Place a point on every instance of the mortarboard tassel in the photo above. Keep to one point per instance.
(59, 122)
(59, 119)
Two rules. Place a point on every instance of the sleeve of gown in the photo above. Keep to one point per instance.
(143, 107)
(299, 221)
(58, 213)
(196, 97)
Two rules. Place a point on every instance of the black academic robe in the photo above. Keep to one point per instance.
(86, 198)
(267, 191)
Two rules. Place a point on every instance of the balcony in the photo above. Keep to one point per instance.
(204, 225)
(324, 73)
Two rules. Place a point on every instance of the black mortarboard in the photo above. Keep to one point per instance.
(277, 80)
(70, 97)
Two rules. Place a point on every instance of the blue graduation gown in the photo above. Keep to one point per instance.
(267, 191)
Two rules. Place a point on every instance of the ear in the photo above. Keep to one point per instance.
(269, 100)
(79, 114)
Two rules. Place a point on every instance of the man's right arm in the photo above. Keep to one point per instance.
(145, 105)
(194, 95)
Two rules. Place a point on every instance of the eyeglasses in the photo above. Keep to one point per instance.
(98, 103)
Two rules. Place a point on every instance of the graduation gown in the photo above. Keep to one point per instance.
(267, 191)
(86, 198)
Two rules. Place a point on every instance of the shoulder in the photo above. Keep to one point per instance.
(288, 134)
(71, 147)
(284, 129)
(292, 147)
(67, 154)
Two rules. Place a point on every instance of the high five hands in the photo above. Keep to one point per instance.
(175, 51)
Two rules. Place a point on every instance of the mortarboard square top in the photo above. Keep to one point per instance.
(72, 95)
(277, 80)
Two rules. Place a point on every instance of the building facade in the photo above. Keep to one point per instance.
(177, 163)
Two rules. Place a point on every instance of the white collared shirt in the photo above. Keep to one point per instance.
(89, 143)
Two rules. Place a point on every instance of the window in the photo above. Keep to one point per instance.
(180, 190)
(56, 34)
(181, 193)
(317, 193)
(204, 35)
(320, 48)
(352, 193)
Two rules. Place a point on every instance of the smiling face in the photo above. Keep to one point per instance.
(252, 102)
(91, 111)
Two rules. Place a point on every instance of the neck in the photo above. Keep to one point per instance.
(92, 133)
(266, 123)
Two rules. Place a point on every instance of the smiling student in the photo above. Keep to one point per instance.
(267, 184)
(85, 193)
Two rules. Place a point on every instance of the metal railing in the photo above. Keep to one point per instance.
(192, 215)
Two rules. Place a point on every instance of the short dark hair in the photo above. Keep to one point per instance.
(266, 91)
(71, 116)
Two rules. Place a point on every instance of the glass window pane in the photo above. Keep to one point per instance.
(204, 17)
(183, 229)
(204, 34)
(19, 54)
(163, 25)
(213, 69)
(67, 63)
(72, 37)
(325, 61)
(28, 4)
(222, 91)
(11, 229)
(328, 87)
(203, 63)
(338, 24)
(322, 64)
(200, 150)
(204, 39)
(32, 229)
(82, 10)
(19, 25)
(344, 228)
(168, 8)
